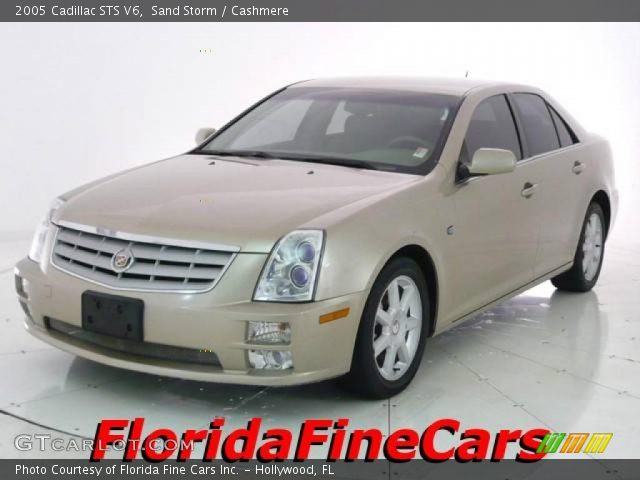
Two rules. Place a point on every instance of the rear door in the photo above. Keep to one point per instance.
(547, 143)
(496, 231)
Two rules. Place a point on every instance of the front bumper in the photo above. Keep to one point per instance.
(214, 321)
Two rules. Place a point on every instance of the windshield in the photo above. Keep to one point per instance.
(364, 128)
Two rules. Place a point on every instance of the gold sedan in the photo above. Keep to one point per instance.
(325, 232)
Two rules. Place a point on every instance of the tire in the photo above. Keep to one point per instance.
(587, 261)
(370, 375)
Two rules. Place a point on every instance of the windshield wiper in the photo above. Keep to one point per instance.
(239, 153)
(344, 162)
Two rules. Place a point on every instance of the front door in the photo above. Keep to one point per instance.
(497, 216)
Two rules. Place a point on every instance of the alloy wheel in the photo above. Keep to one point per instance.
(397, 327)
(592, 247)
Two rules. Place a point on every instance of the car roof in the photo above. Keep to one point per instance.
(450, 86)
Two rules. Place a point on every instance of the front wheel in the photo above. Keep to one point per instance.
(588, 258)
(392, 332)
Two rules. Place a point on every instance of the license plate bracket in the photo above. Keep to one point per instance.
(113, 315)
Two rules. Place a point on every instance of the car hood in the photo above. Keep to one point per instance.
(244, 203)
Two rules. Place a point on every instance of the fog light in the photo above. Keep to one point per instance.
(270, 359)
(269, 333)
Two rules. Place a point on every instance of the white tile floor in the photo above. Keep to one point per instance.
(570, 362)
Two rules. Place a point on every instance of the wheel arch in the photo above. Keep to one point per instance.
(424, 260)
(602, 198)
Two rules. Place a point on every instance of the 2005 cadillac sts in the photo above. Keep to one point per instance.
(327, 231)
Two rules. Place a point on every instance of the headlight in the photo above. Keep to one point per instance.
(291, 270)
(39, 238)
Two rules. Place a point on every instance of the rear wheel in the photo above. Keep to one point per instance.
(588, 258)
(392, 332)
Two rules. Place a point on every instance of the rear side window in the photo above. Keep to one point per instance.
(491, 126)
(539, 129)
(566, 136)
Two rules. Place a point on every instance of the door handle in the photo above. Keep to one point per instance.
(529, 189)
(578, 167)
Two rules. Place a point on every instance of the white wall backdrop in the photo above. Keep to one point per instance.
(79, 101)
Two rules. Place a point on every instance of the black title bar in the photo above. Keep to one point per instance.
(318, 10)
(584, 469)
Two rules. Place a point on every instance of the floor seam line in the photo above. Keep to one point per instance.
(41, 425)
(76, 390)
(25, 352)
(494, 387)
(249, 399)
(593, 382)
(520, 406)
(556, 345)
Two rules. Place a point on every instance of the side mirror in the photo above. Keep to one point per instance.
(492, 161)
(204, 133)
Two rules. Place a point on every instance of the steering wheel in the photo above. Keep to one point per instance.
(408, 142)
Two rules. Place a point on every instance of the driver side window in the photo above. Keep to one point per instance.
(491, 126)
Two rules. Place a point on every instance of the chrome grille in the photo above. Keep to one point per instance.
(156, 266)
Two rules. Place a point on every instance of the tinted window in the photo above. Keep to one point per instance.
(566, 137)
(491, 126)
(538, 127)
